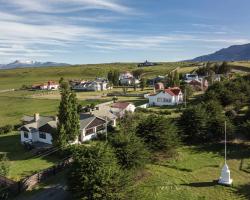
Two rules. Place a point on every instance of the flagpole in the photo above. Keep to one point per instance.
(225, 142)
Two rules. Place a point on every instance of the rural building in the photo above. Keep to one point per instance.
(170, 96)
(127, 78)
(96, 85)
(146, 64)
(120, 108)
(40, 129)
(199, 85)
(190, 77)
(50, 85)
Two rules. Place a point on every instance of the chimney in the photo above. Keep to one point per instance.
(56, 118)
(36, 117)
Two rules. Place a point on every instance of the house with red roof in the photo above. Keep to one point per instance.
(169, 96)
(120, 108)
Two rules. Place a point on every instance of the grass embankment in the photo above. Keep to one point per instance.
(22, 162)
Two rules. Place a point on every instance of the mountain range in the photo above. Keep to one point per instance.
(30, 63)
(232, 53)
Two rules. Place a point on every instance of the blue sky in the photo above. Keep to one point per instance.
(100, 31)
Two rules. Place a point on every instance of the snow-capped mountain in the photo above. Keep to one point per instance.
(30, 63)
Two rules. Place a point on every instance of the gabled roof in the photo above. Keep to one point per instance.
(121, 105)
(175, 91)
(90, 121)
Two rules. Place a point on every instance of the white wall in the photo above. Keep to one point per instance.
(154, 100)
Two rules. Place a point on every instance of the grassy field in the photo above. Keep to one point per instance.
(22, 162)
(15, 78)
(194, 175)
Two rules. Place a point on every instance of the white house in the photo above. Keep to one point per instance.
(41, 129)
(120, 108)
(50, 85)
(170, 96)
(97, 85)
(191, 77)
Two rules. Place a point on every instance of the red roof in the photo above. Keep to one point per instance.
(120, 105)
(173, 91)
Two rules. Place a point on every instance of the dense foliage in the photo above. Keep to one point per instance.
(96, 175)
(113, 77)
(68, 125)
(158, 133)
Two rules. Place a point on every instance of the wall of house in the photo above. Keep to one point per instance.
(23, 139)
(47, 140)
(154, 100)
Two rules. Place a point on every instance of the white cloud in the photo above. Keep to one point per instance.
(64, 6)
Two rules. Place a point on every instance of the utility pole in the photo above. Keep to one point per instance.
(185, 95)
(106, 129)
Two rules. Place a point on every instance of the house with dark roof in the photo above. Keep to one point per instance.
(40, 129)
(169, 96)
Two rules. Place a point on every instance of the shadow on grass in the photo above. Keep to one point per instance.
(244, 191)
(202, 184)
(174, 167)
(234, 150)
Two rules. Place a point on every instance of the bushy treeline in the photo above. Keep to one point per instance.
(214, 68)
(106, 170)
(229, 92)
(204, 122)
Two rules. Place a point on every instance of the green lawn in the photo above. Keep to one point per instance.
(21, 162)
(194, 174)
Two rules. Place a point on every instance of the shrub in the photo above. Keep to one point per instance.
(96, 175)
(6, 129)
(130, 150)
(158, 133)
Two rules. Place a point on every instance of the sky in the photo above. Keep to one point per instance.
(103, 31)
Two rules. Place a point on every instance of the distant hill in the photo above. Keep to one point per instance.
(30, 63)
(232, 53)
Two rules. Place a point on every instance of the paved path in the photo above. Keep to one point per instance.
(53, 192)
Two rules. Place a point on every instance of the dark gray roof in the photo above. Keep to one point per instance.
(85, 120)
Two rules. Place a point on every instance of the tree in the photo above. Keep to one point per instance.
(115, 99)
(74, 118)
(113, 77)
(143, 83)
(224, 68)
(137, 73)
(130, 150)
(158, 133)
(246, 129)
(4, 165)
(68, 117)
(193, 122)
(96, 175)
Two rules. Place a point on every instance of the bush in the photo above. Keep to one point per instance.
(130, 150)
(6, 129)
(158, 133)
(96, 175)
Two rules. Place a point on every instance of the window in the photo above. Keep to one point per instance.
(26, 135)
(42, 135)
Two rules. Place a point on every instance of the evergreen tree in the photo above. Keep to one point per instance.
(74, 118)
(130, 150)
(193, 122)
(158, 133)
(96, 175)
(68, 118)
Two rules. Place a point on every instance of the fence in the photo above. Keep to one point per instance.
(29, 182)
